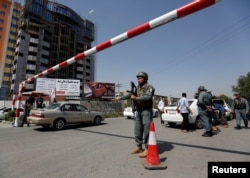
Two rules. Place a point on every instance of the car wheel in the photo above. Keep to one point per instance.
(231, 116)
(59, 124)
(171, 124)
(97, 120)
(198, 123)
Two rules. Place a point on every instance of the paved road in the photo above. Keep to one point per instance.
(103, 151)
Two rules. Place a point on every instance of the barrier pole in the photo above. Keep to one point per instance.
(183, 11)
(13, 102)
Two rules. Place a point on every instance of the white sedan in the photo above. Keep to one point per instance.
(5, 110)
(129, 114)
(172, 117)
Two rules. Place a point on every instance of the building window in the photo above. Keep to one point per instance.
(37, 9)
(6, 83)
(4, 5)
(2, 13)
(7, 74)
(8, 65)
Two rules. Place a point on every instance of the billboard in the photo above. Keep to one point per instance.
(67, 87)
(45, 84)
(99, 90)
(64, 87)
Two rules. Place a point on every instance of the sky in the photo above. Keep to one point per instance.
(210, 47)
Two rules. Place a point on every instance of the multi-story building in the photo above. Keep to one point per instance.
(9, 18)
(49, 34)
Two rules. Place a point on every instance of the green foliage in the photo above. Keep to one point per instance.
(243, 86)
(112, 114)
(10, 116)
(226, 98)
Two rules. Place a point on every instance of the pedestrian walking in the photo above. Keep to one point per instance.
(161, 106)
(184, 109)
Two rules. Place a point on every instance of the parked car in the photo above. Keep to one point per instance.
(172, 117)
(58, 115)
(229, 113)
(5, 110)
(130, 115)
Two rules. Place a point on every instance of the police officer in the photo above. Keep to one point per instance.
(240, 108)
(144, 112)
(205, 108)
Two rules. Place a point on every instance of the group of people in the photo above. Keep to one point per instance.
(29, 104)
(240, 108)
(143, 100)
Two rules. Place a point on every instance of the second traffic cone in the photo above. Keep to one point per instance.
(152, 161)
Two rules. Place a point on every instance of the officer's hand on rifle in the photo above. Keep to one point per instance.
(133, 97)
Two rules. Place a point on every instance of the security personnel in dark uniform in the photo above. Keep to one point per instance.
(204, 104)
(240, 108)
(144, 112)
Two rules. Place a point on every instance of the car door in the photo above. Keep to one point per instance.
(69, 113)
(84, 113)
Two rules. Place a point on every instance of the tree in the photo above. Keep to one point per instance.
(225, 97)
(243, 86)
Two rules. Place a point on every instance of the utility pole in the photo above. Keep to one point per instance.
(118, 85)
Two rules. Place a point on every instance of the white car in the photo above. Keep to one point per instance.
(129, 114)
(229, 113)
(172, 117)
(5, 110)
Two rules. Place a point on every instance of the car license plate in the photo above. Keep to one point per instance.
(172, 112)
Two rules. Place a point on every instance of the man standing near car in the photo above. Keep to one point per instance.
(204, 108)
(161, 106)
(144, 112)
(184, 109)
(240, 108)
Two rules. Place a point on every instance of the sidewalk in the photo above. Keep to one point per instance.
(5, 124)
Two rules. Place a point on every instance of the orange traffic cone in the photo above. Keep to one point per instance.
(152, 161)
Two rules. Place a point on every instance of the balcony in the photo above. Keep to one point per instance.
(34, 40)
(29, 76)
(79, 76)
(32, 58)
(31, 67)
(29, 86)
(33, 49)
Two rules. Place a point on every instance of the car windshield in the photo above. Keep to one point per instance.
(174, 104)
(53, 106)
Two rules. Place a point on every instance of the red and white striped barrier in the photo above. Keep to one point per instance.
(159, 21)
(13, 102)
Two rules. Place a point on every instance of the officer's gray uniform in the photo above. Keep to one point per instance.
(204, 100)
(240, 107)
(144, 112)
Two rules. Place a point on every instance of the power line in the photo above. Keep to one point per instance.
(215, 40)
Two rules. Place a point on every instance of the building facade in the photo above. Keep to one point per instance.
(50, 33)
(9, 19)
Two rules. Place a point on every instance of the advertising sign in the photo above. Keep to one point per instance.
(45, 84)
(63, 87)
(67, 87)
(99, 90)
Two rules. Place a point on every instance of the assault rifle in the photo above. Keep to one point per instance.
(134, 92)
